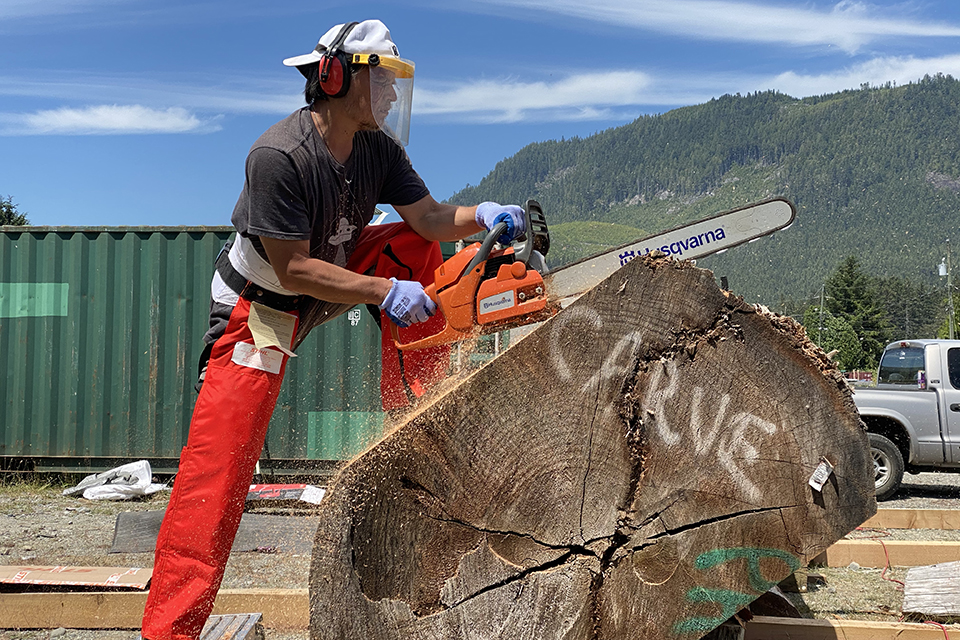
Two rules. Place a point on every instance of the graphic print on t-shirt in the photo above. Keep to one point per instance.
(344, 234)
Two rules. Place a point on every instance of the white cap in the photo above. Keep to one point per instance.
(369, 36)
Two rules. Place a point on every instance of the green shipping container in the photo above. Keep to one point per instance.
(100, 332)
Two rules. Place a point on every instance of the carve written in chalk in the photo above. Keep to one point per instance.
(272, 328)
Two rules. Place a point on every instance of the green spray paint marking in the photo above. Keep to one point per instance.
(729, 601)
(33, 299)
(716, 557)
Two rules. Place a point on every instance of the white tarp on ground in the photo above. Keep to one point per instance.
(126, 481)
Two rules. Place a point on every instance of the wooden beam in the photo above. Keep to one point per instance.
(281, 608)
(764, 628)
(288, 610)
(915, 519)
(901, 553)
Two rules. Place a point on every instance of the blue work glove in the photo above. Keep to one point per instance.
(491, 213)
(407, 303)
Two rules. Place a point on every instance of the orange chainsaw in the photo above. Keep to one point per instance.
(481, 290)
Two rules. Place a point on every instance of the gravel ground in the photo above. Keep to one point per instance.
(927, 491)
(40, 526)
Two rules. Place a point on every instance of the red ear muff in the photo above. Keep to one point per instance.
(334, 76)
(335, 65)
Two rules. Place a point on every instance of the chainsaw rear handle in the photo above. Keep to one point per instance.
(537, 236)
(431, 291)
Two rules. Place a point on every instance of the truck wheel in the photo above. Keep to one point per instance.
(887, 466)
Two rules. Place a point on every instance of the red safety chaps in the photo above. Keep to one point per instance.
(229, 426)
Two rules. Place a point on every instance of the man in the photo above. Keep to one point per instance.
(303, 254)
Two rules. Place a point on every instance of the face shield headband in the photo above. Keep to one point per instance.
(391, 93)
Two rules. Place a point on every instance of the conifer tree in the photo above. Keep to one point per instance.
(9, 213)
(852, 295)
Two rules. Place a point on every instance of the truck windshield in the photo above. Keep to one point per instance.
(901, 366)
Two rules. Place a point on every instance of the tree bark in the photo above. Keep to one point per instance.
(636, 467)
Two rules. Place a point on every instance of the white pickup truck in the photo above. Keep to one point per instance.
(913, 412)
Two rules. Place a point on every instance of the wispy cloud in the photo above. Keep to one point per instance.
(219, 94)
(588, 96)
(106, 120)
(899, 70)
(622, 95)
(847, 24)
(196, 105)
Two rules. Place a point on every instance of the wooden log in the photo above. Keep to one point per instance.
(635, 467)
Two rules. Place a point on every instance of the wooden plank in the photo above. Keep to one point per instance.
(915, 519)
(726, 631)
(281, 608)
(15, 609)
(933, 591)
(902, 553)
(763, 628)
(116, 577)
(233, 626)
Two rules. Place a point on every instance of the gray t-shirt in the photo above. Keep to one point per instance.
(296, 190)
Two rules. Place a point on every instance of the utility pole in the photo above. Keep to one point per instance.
(946, 267)
(953, 315)
(820, 328)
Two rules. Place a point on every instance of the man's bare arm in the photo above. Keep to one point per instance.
(436, 221)
(297, 271)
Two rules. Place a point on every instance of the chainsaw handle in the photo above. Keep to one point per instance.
(431, 291)
(536, 226)
(484, 251)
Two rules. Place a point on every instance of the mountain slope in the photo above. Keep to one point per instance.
(874, 173)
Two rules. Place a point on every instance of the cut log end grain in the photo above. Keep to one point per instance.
(636, 467)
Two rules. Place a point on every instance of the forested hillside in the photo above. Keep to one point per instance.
(874, 172)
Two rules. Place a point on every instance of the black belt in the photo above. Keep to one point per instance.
(250, 290)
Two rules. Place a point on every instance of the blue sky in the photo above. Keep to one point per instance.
(141, 112)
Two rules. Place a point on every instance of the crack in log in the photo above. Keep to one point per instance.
(797, 547)
(596, 615)
(415, 487)
(629, 409)
(656, 514)
(586, 473)
(633, 424)
(618, 541)
(703, 523)
(546, 566)
(583, 549)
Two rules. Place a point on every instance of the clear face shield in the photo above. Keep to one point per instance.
(391, 94)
